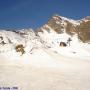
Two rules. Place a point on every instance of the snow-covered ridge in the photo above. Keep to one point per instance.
(75, 22)
(13, 38)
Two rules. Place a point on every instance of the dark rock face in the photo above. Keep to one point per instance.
(63, 44)
(59, 25)
(55, 24)
(71, 29)
(82, 29)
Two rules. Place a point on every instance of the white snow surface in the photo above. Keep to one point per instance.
(37, 48)
(45, 65)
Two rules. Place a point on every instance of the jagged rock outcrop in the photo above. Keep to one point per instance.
(80, 27)
(84, 31)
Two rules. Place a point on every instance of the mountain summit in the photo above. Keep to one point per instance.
(80, 27)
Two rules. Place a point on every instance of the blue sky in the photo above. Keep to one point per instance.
(18, 14)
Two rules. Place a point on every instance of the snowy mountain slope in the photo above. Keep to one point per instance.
(26, 42)
(13, 38)
(61, 29)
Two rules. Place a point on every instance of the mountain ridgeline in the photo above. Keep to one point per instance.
(71, 27)
(58, 29)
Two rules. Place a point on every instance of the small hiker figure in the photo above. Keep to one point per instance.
(69, 40)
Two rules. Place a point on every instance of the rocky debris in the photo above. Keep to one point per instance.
(63, 44)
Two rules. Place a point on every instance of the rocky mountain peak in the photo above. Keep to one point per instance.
(87, 18)
(62, 24)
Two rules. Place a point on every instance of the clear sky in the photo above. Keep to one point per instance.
(18, 14)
